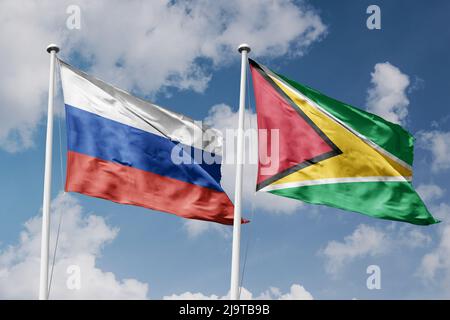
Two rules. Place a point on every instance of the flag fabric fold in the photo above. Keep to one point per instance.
(130, 151)
(333, 154)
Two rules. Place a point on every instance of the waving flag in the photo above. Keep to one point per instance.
(333, 154)
(130, 151)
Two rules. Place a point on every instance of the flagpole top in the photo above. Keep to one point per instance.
(52, 47)
(244, 47)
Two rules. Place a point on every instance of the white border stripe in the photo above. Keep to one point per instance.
(333, 181)
(365, 139)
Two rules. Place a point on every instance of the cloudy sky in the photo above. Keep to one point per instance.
(182, 55)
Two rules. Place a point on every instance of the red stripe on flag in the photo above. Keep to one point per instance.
(107, 180)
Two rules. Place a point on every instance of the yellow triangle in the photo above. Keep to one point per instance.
(358, 158)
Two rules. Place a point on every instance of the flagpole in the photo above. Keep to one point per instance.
(244, 49)
(45, 238)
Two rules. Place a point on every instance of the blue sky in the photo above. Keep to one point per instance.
(191, 66)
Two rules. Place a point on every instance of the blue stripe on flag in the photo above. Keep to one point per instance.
(109, 140)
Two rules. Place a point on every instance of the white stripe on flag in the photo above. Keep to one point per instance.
(93, 95)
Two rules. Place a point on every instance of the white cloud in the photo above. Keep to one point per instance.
(81, 241)
(364, 241)
(438, 260)
(144, 46)
(191, 296)
(438, 143)
(410, 237)
(368, 241)
(194, 228)
(25, 31)
(296, 292)
(435, 265)
(430, 192)
(387, 96)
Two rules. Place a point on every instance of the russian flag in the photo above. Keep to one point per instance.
(127, 150)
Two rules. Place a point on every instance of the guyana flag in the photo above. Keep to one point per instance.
(323, 151)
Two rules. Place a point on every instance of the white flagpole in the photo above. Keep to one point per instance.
(244, 49)
(45, 239)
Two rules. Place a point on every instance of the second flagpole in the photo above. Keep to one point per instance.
(244, 49)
